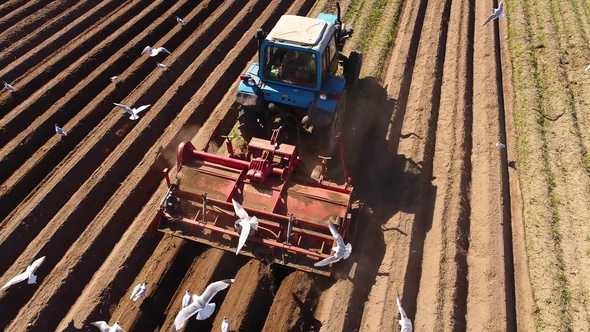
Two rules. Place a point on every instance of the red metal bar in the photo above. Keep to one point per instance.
(180, 153)
(272, 243)
(167, 177)
(230, 162)
(341, 143)
(256, 212)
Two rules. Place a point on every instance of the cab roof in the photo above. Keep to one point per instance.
(299, 30)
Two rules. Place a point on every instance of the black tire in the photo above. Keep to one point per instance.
(325, 137)
(352, 68)
(336, 125)
(248, 123)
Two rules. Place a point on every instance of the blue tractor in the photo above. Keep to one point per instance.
(296, 79)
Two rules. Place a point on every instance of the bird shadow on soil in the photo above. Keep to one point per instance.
(385, 182)
(308, 322)
(71, 328)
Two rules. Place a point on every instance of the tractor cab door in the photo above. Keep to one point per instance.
(330, 59)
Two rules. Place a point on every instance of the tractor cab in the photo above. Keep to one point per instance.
(297, 76)
(290, 55)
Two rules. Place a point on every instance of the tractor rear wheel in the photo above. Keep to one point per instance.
(352, 68)
(325, 137)
(248, 122)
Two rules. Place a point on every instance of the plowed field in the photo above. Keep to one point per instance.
(443, 218)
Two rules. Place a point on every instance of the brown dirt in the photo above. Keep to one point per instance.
(437, 201)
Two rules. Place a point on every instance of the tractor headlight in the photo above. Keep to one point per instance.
(251, 81)
(323, 96)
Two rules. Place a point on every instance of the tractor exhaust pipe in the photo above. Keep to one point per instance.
(259, 35)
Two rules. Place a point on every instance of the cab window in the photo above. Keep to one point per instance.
(291, 66)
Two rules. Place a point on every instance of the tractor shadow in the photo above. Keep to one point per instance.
(385, 183)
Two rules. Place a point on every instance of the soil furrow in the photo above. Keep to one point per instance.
(486, 308)
(294, 299)
(437, 210)
(42, 159)
(446, 243)
(41, 60)
(19, 49)
(27, 25)
(223, 265)
(400, 171)
(94, 249)
(11, 6)
(151, 312)
(414, 124)
(189, 107)
(61, 74)
(110, 275)
(247, 303)
(47, 206)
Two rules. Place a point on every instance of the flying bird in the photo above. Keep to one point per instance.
(500, 145)
(180, 21)
(154, 51)
(186, 299)
(104, 327)
(8, 86)
(244, 225)
(28, 274)
(161, 65)
(114, 78)
(341, 251)
(132, 111)
(225, 325)
(60, 131)
(201, 305)
(404, 322)
(138, 291)
(498, 13)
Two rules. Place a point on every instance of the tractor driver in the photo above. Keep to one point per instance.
(299, 67)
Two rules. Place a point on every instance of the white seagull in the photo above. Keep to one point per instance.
(244, 225)
(180, 21)
(8, 86)
(161, 65)
(201, 305)
(28, 274)
(225, 325)
(60, 131)
(404, 321)
(500, 145)
(186, 299)
(132, 111)
(138, 291)
(498, 13)
(114, 78)
(341, 251)
(154, 51)
(104, 327)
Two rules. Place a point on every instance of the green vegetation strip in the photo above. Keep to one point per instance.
(525, 61)
(370, 25)
(391, 34)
